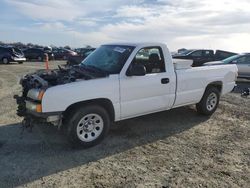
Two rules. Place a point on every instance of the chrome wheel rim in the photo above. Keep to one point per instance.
(90, 127)
(211, 101)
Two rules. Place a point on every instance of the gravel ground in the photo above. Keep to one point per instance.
(176, 148)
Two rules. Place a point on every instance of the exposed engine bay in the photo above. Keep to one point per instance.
(43, 79)
(48, 78)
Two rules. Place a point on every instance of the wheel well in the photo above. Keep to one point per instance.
(105, 103)
(217, 85)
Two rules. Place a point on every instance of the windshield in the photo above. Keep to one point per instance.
(108, 58)
(229, 59)
(16, 50)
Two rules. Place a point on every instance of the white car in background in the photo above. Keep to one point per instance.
(241, 60)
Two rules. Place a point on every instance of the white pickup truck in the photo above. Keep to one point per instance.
(117, 82)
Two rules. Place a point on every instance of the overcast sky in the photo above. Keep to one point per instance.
(216, 24)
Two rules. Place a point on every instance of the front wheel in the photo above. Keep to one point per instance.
(5, 60)
(88, 126)
(209, 101)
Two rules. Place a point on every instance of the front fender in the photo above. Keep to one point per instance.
(59, 98)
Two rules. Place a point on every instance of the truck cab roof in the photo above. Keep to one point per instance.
(138, 44)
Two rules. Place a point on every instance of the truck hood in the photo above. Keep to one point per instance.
(43, 79)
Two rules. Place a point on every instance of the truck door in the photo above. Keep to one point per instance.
(151, 92)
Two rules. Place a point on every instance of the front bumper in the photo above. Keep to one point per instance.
(50, 117)
(43, 115)
(27, 110)
(54, 118)
(19, 59)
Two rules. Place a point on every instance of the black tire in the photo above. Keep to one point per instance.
(20, 62)
(209, 101)
(5, 60)
(75, 120)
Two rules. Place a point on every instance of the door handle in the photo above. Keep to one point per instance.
(165, 80)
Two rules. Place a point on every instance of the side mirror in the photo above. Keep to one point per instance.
(136, 70)
(234, 62)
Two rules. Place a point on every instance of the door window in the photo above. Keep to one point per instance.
(243, 60)
(4, 50)
(37, 51)
(197, 53)
(247, 60)
(29, 51)
(151, 58)
(208, 53)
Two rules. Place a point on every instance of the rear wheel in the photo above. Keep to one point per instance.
(5, 60)
(88, 126)
(20, 62)
(209, 101)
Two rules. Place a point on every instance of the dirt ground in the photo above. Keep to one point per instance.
(176, 148)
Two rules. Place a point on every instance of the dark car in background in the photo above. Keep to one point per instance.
(82, 54)
(11, 54)
(201, 56)
(62, 53)
(38, 54)
(241, 60)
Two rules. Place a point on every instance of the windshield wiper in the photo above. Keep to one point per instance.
(94, 69)
(84, 72)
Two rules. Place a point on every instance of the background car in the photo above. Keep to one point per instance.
(37, 54)
(75, 60)
(242, 61)
(201, 56)
(63, 53)
(11, 54)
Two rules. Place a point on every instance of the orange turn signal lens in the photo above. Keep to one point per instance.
(39, 108)
(40, 95)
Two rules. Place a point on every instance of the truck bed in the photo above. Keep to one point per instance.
(191, 82)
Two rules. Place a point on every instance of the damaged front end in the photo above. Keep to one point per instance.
(34, 86)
